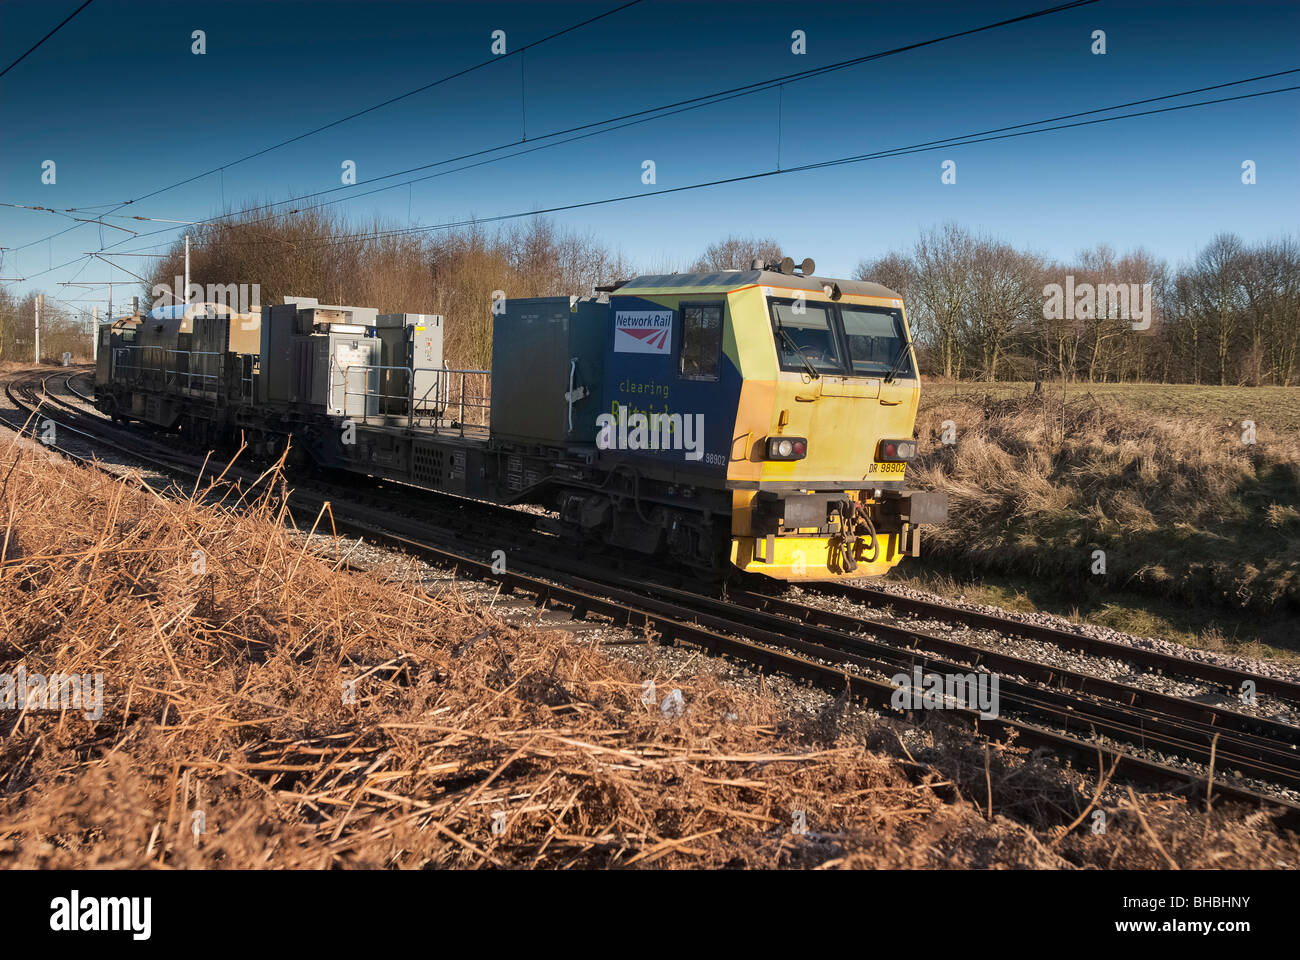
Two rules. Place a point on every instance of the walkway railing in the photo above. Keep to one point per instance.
(446, 399)
(183, 371)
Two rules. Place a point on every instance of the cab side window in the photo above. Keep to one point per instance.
(701, 341)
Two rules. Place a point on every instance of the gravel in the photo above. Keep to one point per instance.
(1265, 668)
(1042, 652)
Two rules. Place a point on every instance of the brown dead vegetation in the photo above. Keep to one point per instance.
(1182, 508)
(227, 650)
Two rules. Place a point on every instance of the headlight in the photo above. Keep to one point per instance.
(896, 451)
(786, 448)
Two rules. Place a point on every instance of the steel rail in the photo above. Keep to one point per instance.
(1074, 642)
(1213, 717)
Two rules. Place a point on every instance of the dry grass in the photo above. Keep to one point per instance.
(224, 696)
(1275, 408)
(1182, 507)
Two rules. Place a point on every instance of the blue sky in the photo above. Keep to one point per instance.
(119, 102)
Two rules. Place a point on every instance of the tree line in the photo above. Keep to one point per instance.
(980, 308)
(63, 329)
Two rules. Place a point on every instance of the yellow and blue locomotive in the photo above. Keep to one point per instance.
(797, 397)
(756, 419)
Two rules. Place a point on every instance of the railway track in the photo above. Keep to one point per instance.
(1072, 714)
(877, 598)
(30, 394)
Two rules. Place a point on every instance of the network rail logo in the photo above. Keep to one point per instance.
(21, 690)
(643, 331)
(655, 431)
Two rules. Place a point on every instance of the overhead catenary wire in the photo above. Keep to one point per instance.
(1001, 133)
(335, 123)
(614, 123)
(1068, 116)
(517, 51)
(645, 115)
(699, 101)
(998, 133)
(30, 50)
(391, 100)
(34, 46)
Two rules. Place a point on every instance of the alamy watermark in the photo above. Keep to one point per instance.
(239, 297)
(75, 913)
(1088, 301)
(946, 691)
(59, 691)
(655, 431)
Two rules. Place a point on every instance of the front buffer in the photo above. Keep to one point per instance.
(812, 537)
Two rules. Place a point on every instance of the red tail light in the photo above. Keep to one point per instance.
(896, 451)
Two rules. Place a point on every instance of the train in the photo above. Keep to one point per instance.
(757, 420)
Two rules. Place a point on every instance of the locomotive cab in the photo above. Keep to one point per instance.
(802, 392)
(835, 434)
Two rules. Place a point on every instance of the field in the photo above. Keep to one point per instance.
(1277, 408)
(1148, 506)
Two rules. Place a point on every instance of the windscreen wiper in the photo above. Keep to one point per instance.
(807, 364)
(898, 364)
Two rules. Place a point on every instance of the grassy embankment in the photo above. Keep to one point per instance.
(1201, 530)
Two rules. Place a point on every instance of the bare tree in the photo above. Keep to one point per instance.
(942, 259)
(9, 325)
(1217, 296)
(1005, 296)
(736, 253)
(1119, 286)
(894, 270)
(976, 303)
(454, 273)
(1095, 267)
(1058, 338)
(1141, 268)
(1270, 282)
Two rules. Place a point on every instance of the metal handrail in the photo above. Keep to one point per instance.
(366, 394)
(485, 398)
(168, 374)
(440, 390)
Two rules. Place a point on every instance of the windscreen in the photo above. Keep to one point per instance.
(875, 341)
(805, 335)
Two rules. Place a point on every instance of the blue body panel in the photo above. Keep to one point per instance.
(643, 378)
